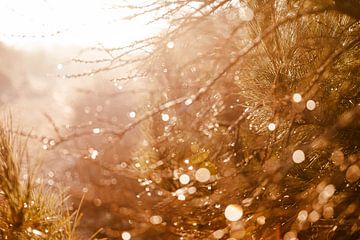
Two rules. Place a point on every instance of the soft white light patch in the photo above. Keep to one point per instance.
(192, 190)
(69, 22)
(298, 156)
(202, 175)
(218, 234)
(261, 220)
(297, 97)
(170, 45)
(188, 101)
(310, 105)
(165, 117)
(302, 216)
(59, 66)
(271, 127)
(184, 179)
(181, 197)
(155, 219)
(233, 212)
(126, 236)
(132, 114)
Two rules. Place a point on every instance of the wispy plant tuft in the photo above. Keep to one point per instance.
(29, 209)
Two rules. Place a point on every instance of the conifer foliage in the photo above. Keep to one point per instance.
(252, 131)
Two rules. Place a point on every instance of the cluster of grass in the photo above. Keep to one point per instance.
(28, 208)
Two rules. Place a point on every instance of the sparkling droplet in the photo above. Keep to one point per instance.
(97, 202)
(93, 153)
(51, 174)
(328, 212)
(165, 117)
(96, 130)
(298, 156)
(310, 105)
(132, 114)
(50, 182)
(192, 190)
(314, 216)
(246, 14)
(290, 236)
(181, 197)
(126, 236)
(59, 66)
(352, 173)
(52, 142)
(202, 175)
(337, 157)
(188, 101)
(329, 191)
(218, 234)
(170, 45)
(155, 219)
(326, 193)
(233, 212)
(271, 126)
(297, 97)
(261, 220)
(302, 216)
(184, 179)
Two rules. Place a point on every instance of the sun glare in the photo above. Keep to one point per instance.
(82, 23)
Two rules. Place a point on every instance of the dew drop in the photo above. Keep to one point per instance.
(132, 114)
(261, 220)
(93, 153)
(126, 236)
(352, 173)
(337, 157)
(181, 197)
(246, 14)
(328, 212)
(329, 191)
(314, 216)
(188, 101)
(233, 212)
(290, 236)
(192, 190)
(155, 219)
(96, 130)
(310, 105)
(302, 216)
(184, 179)
(298, 156)
(165, 117)
(218, 234)
(202, 175)
(271, 126)
(170, 45)
(297, 97)
(59, 66)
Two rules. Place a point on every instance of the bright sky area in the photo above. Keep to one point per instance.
(47, 23)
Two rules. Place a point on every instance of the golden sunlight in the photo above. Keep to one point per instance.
(67, 22)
